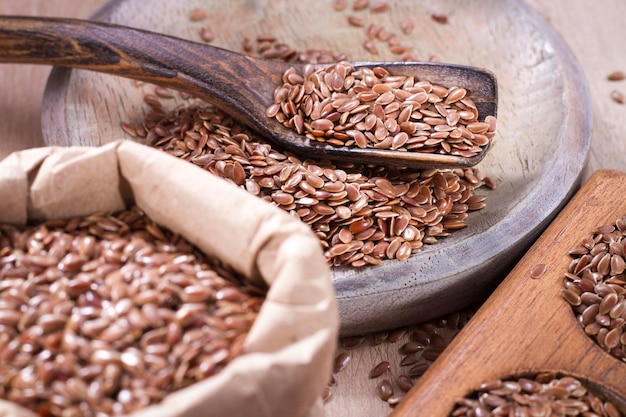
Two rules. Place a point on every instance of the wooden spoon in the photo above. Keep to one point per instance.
(526, 326)
(241, 85)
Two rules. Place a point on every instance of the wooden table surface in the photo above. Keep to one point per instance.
(594, 31)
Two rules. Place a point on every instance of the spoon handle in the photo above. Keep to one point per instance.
(230, 80)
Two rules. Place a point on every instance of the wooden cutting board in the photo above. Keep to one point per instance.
(526, 326)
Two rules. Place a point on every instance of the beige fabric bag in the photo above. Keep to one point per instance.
(289, 350)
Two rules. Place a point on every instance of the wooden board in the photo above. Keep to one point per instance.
(526, 326)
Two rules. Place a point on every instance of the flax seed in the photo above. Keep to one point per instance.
(327, 209)
(379, 369)
(593, 285)
(197, 15)
(207, 34)
(101, 341)
(538, 394)
(618, 97)
(440, 18)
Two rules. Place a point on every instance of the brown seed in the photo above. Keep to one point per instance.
(418, 369)
(412, 347)
(617, 96)
(385, 389)
(355, 21)
(616, 76)
(607, 303)
(94, 321)
(571, 297)
(379, 7)
(396, 334)
(370, 46)
(538, 271)
(128, 128)
(360, 4)
(411, 358)
(407, 26)
(9, 317)
(379, 369)
(564, 394)
(326, 209)
(352, 342)
(207, 35)
(341, 361)
(326, 394)
(431, 354)
(340, 5)
(197, 294)
(197, 14)
(440, 18)
(404, 382)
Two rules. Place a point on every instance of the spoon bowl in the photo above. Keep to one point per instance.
(239, 84)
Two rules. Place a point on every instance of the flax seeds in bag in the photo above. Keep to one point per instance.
(286, 357)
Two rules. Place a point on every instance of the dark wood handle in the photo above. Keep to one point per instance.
(230, 80)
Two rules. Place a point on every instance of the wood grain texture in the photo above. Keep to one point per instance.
(593, 30)
(526, 326)
(23, 85)
(596, 36)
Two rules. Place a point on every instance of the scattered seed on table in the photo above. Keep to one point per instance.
(370, 46)
(407, 26)
(352, 342)
(396, 334)
(440, 18)
(418, 369)
(356, 21)
(405, 382)
(412, 347)
(380, 337)
(411, 358)
(379, 6)
(207, 34)
(341, 361)
(360, 4)
(163, 92)
(395, 399)
(616, 76)
(379, 369)
(385, 389)
(197, 15)
(538, 271)
(327, 393)
(340, 5)
(618, 97)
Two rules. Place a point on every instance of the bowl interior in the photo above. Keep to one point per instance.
(537, 157)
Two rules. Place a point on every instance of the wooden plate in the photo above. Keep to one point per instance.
(544, 124)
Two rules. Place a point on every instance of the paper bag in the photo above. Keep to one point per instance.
(289, 350)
